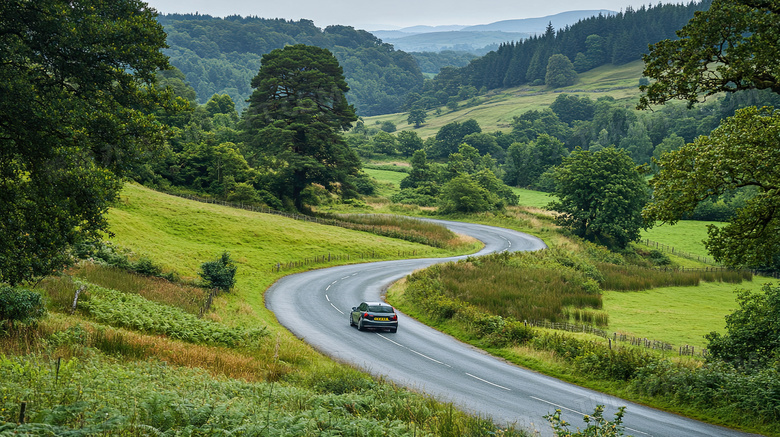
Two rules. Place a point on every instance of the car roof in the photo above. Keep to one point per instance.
(378, 303)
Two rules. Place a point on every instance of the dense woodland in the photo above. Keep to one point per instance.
(589, 43)
(221, 56)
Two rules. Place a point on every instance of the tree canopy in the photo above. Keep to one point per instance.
(600, 196)
(294, 120)
(732, 46)
(752, 331)
(77, 111)
(742, 152)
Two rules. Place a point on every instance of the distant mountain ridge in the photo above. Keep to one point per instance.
(479, 38)
(538, 25)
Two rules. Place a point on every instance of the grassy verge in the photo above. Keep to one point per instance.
(444, 297)
(93, 380)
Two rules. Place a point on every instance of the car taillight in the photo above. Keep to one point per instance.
(395, 317)
(365, 314)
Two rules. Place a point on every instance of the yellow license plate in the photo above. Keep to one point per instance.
(381, 319)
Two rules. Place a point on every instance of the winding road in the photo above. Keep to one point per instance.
(315, 307)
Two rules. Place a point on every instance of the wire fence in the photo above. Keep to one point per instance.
(616, 339)
(673, 250)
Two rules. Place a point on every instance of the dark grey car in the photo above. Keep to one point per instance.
(377, 315)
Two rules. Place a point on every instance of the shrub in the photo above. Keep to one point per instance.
(20, 306)
(597, 424)
(146, 267)
(219, 273)
(659, 258)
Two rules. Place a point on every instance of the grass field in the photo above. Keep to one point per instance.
(390, 181)
(498, 107)
(536, 199)
(181, 234)
(676, 315)
(685, 235)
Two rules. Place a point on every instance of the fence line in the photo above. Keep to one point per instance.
(673, 250)
(209, 300)
(324, 259)
(616, 339)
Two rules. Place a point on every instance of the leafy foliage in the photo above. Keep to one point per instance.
(742, 152)
(220, 273)
(752, 331)
(20, 306)
(131, 311)
(597, 425)
(98, 396)
(601, 196)
(560, 72)
(729, 47)
(76, 113)
(295, 114)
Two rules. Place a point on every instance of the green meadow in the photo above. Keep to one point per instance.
(677, 315)
(181, 234)
(495, 110)
(685, 235)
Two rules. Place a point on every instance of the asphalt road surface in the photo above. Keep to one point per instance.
(315, 306)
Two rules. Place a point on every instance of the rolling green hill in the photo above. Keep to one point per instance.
(494, 111)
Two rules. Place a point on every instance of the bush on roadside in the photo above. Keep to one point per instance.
(19, 306)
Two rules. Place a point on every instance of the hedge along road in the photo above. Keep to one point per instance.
(315, 306)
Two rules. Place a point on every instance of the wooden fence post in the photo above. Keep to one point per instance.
(76, 299)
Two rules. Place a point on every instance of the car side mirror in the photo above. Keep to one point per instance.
(354, 308)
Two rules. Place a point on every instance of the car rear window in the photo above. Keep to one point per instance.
(380, 309)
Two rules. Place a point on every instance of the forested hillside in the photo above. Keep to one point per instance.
(590, 43)
(221, 56)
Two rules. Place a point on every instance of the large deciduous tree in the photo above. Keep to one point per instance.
(76, 111)
(560, 72)
(600, 196)
(732, 46)
(295, 118)
(742, 152)
(752, 331)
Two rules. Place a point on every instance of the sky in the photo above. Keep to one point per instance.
(386, 14)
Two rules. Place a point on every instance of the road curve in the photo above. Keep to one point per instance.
(315, 307)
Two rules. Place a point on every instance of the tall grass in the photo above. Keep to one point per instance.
(405, 228)
(187, 297)
(523, 294)
(635, 278)
(523, 286)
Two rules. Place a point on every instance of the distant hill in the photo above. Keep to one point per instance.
(473, 42)
(537, 25)
(481, 38)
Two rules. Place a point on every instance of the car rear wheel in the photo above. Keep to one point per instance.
(393, 330)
